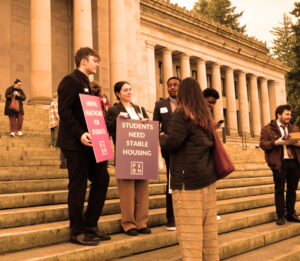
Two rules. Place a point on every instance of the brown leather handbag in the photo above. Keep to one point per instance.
(223, 164)
(14, 105)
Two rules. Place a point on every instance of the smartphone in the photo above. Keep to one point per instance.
(220, 121)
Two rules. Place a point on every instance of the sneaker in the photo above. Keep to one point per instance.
(171, 226)
(12, 134)
(20, 133)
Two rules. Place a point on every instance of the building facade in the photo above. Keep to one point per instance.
(144, 42)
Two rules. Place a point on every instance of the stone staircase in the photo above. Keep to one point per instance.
(34, 215)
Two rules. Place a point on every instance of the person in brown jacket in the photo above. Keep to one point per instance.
(283, 157)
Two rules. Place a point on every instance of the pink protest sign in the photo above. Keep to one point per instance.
(136, 149)
(96, 126)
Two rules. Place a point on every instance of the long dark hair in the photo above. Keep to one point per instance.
(191, 102)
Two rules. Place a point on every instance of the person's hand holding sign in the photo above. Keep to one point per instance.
(86, 139)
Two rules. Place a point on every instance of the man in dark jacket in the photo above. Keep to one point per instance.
(162, 113)
(75, 142)
(283, 157)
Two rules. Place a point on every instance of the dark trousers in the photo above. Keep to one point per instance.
(54, 132)
(290, 173)
(81, 167)
(16, 122)
(170, 213)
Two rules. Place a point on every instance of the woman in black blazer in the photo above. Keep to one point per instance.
(134, 199)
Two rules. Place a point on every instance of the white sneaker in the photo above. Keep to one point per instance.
(12, 134)
(20, 133)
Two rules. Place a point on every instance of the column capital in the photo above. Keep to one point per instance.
(228, 68)
(201, 60)
(150, 44)
(241, 73)
(184, 56)
(216, 65)
(167, 50)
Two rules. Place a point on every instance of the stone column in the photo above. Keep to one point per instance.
(167, 68)
(243, 102)
(216, 84)
(201, 72)
(273, 99)
(41, 64)
(254, 105)
(151, 73)
(230, 100)
(265, 104)
(118, 51)
(185, 66)
(83, 35)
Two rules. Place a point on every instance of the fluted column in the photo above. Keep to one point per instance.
(83, 35)
(151, 73)
(230, 100)
(272, 99)
(167, 68)
(185, 66)
(243, 102)
(265, 104)
(201, 72)
(216, 84)
(41, 64)
(118, 51)
(254, 105)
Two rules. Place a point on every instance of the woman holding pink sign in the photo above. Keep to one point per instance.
(133, 193)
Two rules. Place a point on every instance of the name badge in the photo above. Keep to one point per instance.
(163, 110)
(86, 89)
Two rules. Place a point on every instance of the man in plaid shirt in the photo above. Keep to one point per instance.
(53, 119)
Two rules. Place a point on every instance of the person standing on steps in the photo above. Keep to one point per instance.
(283, 157)
(133, 193)
(75, 142)
(190, 142)
(211, 96)
(162, 112)
(53, 125)
(15, 116)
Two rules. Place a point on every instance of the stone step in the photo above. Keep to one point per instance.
(40, 198)
(284, 250)
(18, 186)
(9, 162)
(52, 213)
(253, 235)
(30, 199)
(10, 218)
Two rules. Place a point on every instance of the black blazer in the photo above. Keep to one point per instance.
(163, 113)
(112, 114)
(71, 118)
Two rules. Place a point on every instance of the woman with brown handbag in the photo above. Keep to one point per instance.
(193, 175)
(14, 107)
